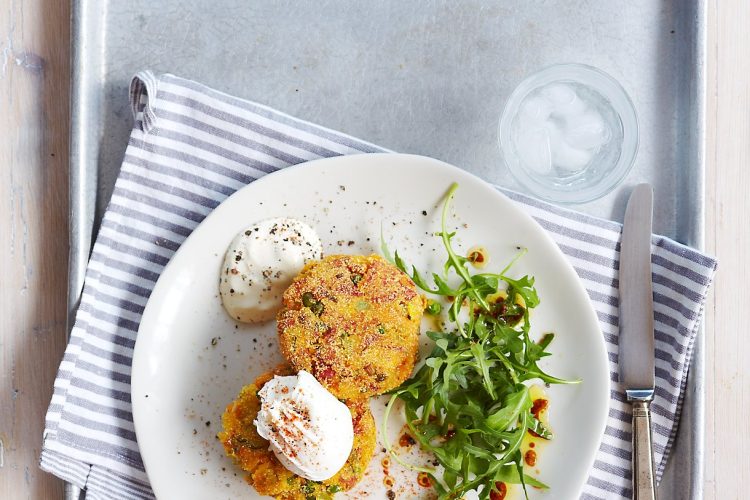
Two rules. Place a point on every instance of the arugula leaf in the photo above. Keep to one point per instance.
(539, 429)
(511, 409)
(384, 247)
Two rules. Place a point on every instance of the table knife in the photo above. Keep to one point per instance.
(636, 338)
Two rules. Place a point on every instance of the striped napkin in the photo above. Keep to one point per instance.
(190, 148)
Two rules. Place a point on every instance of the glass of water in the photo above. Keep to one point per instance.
(569, 133)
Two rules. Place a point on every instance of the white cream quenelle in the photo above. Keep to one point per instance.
(261, 262)
(310, 431)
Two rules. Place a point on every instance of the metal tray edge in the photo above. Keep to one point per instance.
(82, 165)
(696, 385)
(83, 176)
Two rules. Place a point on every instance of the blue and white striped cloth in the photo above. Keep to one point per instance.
(190, 148)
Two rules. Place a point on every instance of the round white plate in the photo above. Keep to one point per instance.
(191, 359)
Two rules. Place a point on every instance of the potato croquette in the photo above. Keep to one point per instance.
(265, 473)
(353, 322)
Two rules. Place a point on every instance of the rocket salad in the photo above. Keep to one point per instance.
(468, 404)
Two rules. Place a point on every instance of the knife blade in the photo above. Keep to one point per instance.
(636, 336)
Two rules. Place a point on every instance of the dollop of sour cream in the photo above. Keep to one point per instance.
(261, 262)
(309, 430)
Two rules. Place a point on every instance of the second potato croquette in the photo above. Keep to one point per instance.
(265, 472)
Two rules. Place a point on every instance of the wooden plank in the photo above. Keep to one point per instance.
(34, 103)
(728, 237)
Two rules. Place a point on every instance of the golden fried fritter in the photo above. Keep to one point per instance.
(353, 322)
(265, 473)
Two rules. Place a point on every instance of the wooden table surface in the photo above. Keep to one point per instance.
(34, 106)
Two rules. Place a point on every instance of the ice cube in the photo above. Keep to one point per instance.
(533, 149)
(559, 93)
(565, 157)
(587, 131)
(534, 111)
(564, 99)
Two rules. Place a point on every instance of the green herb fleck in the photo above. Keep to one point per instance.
(316, 306)
(307, 299)
(433, 308)
(308, 488)
(362, 305)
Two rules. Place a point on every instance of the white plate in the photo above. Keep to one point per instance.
(181, 382)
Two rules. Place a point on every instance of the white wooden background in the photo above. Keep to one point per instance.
(34, 83)
(34, 104)
(728, 237)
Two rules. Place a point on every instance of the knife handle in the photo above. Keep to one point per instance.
(644, 479)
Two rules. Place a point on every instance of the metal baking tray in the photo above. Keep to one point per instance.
(424, 77)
